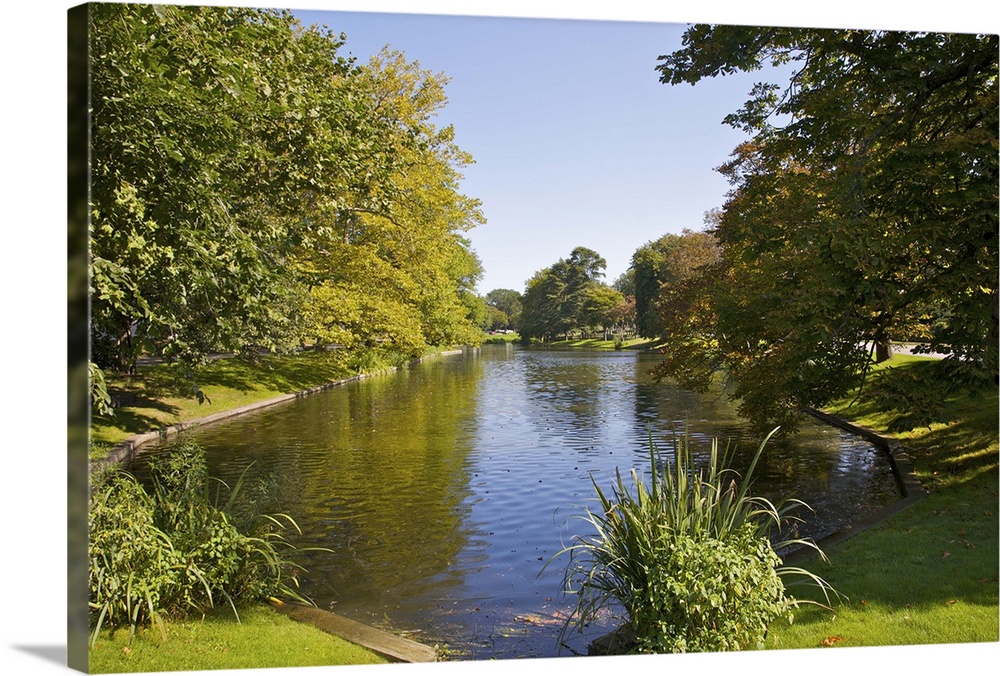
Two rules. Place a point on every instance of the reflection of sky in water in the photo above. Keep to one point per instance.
(443, 490)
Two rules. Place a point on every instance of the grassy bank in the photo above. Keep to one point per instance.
(929, 574)
(263, 639)
(599, 344)
(159, 395)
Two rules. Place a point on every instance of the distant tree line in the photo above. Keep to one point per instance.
(569, 299)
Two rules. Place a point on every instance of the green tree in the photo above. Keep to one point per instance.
(602, 306)
(252, 188)
(507, 301)
(496, 319)
(668, 261)
(625, 284)
(555, 300)
(403, 251)
(541, 315)
(864, 208)
(211, 138)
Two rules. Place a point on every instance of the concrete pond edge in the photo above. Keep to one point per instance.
(902, 467)
(126, 450)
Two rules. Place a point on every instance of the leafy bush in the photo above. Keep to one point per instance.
(133, 566)
(178, 548)
(688, 560)
(377, 360)
(709, 594)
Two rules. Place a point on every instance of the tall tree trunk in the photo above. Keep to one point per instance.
(883, 351)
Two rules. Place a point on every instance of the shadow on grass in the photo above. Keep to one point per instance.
(943, 551)
(945, 454)
(131, 413)
(284, 374)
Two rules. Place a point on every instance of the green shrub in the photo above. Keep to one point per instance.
(178, 548)
(709, 594)
(133, 566)
(377, 360)
(688, 559)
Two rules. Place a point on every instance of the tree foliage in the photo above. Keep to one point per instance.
(663, 265)
(252, 188)
(507, 302)
(405, 259)
(863, 209)
(568, 296)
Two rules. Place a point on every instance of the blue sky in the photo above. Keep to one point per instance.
(575, 140)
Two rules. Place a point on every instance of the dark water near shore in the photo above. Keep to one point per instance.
(443, 489)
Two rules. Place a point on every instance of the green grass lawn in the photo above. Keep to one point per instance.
(930, 573)
(597, 343)
(264, 638)
(497, 338)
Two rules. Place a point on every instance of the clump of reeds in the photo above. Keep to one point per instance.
(688, 559)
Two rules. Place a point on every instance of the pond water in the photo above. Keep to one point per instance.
(443, 489)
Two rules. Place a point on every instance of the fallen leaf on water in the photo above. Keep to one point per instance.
(831, 640)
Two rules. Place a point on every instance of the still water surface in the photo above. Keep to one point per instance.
(444, 489)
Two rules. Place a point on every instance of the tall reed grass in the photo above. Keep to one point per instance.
(687, 559)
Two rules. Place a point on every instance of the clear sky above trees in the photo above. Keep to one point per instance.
(575, 140)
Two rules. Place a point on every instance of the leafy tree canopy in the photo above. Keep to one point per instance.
(863, 209)
(668, 261)
(252, 188)
(567, 296)
(507, 302)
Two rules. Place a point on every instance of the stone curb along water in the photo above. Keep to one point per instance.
(389, 646)
(910, 486)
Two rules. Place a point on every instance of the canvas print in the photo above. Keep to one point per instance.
(415, 338)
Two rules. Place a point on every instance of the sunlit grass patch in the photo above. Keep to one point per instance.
(161, 394)
(263, 639)
(929, 574)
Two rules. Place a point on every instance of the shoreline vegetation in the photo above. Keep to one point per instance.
(927, 575)
(159, 395)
